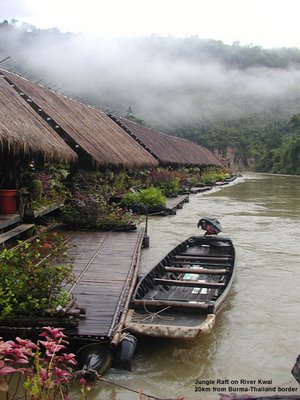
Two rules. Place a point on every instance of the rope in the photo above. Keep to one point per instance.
(139, 392)
(152, 315)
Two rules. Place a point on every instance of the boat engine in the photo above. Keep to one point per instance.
(211, 226)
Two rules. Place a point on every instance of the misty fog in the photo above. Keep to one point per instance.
(165, 80)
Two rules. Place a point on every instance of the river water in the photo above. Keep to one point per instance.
(256, 335)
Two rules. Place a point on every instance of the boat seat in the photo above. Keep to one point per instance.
(208, 307)
(204, 271)
(204, 257)
(208, 264)
(189, 283)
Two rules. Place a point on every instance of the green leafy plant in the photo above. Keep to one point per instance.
(169, 181)
(212, 176)
(89, 205)
(113, 216)
(82, 210)
(43, 187)
(33, 278)
(93, 212)
(149, 198)
(171, 187)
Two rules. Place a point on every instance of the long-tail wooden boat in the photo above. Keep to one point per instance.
(181, 295)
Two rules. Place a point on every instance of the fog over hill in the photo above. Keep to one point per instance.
(166, 81)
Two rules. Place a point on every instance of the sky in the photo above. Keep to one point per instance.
(266, 23)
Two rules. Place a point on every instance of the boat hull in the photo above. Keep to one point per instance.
(181, 296)
(161, 330)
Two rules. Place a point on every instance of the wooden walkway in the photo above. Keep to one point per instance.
(8, 219)
(174, 203)
(105, 265)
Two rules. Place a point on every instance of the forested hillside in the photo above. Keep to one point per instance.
(243, 97)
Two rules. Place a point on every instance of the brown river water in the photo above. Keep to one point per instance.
(256, 339)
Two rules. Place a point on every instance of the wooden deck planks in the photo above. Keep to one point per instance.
(104, 265)
(8, 220)
(175, 201)
(4, 237)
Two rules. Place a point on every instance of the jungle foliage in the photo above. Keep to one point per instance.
(219, 95)
(261, 143)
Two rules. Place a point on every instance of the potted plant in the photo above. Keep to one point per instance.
(8, 201)
(151, 199)
(9, 173)
(8, 194)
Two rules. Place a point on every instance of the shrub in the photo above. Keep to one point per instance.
(82, 210)
(91, 212)
(150, 197)
(112, 216)
(213, 176)
(42, 188)
(36, 189)
(169, 181)
(171, 187)
(32, 283)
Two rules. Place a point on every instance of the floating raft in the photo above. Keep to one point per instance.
(177, 202)
(7, 220)
(105, 265)
(199, 189)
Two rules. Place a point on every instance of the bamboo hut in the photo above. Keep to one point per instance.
(169, 150)
(22, 132)
(25, 137)
(97, 140)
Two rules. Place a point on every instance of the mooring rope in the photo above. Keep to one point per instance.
(152, 315)
(139, 392)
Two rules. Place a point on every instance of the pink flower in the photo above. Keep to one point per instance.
(22, 360)
(19, 354)
(55, 333)
(67, 358)
(44, 375)
(61, 375)
(5, 347)
(52, 347)
(28, 344)
(82, 381)
(54, 370)
(5, 370)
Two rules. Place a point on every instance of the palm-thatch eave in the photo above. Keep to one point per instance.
(166, 148)
(23, 132)
(91, 130)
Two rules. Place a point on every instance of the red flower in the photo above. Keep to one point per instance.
(55, 333)
(82, 381)
(27, 343)
(61, 376)
(67, 358)
(47, 245)
(4, 369)
(44, 374)
(52, 347)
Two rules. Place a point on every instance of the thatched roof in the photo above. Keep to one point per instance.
(169, 149)
(93, 131)
(22, 131)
